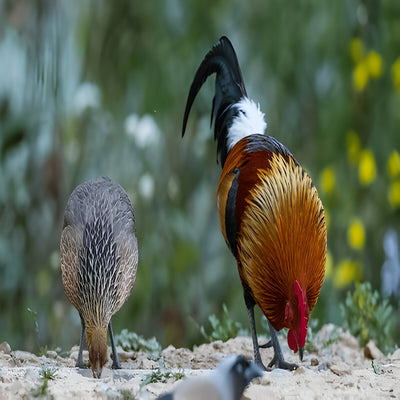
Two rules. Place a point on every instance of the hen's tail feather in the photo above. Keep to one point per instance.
(229, 89)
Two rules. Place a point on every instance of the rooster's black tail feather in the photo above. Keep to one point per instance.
(229, 89)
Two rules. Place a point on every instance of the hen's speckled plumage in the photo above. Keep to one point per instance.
(98, 259)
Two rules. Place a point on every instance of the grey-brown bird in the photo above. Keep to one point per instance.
(99, 259)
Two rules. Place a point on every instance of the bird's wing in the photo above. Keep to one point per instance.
(122, 218)
(227, 193)
(69, 258)
(127, 255)
(121, 211)
(239, 175)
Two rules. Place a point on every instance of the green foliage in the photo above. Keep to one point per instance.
(46, 373)
(315, 341)
(368, 317)
(378, 368)
(41, 391)
(222, 329)
(43, 350)
(333, 337)
(33, 315)
(158, 375)
(132, 341)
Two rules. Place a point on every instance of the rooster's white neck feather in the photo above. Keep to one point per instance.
(249, 121)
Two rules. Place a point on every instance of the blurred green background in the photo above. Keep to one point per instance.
(96, 88)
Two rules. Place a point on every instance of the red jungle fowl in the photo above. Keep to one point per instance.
(271, 216)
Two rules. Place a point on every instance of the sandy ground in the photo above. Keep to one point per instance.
(334, 368)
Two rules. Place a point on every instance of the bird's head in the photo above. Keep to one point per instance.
(233, 374)
(296, 319)
(96, 340)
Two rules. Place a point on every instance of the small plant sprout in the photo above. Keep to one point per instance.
(158, 375)
(222, 329)
(378, 368)
(132, 341)
(33, 316)
(367, 317)
(46, 373)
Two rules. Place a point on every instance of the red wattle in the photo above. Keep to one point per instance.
(292, 341)
(303, 307)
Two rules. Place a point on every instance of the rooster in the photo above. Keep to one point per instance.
(270, 214)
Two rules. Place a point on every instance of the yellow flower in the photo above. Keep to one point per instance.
(361, 302)
(394, 194)
(394, 164)
(375, 64)
(356, 50)
(327, 180)
(346, 272)
(366, 167)
(396, 74)
(356, 234)
(364, 333)
(328, 264)
(353, 147)
(360, 76)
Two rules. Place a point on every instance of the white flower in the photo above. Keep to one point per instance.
(86, 96)
(146, 186)
(144, 130)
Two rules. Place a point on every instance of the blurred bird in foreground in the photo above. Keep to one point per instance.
(391, 267)
(271, 216)
(98, 262)
(226, 382)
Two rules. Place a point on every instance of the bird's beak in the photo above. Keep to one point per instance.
(301, 351)
(97, 370)
(253, 371)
